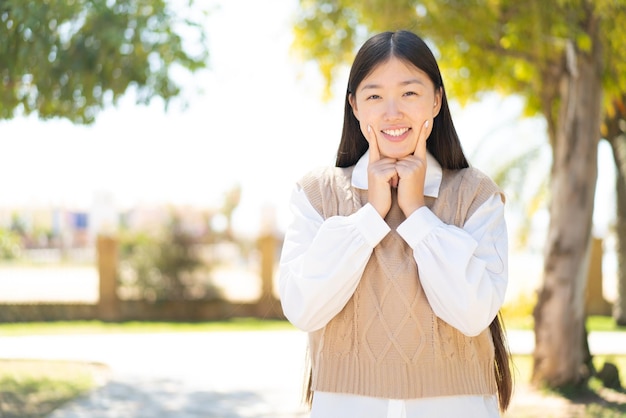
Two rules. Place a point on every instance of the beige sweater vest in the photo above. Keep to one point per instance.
(387, 341)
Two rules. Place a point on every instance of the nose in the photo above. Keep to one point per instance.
(392, 110)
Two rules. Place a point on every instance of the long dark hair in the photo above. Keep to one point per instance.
(443, 142)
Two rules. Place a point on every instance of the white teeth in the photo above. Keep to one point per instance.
(395, 132)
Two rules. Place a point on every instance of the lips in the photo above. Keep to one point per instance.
(397, 134)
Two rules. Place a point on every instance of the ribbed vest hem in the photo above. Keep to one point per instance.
(349, 374)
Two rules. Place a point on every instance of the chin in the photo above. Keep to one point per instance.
(398, 150)
(397, 154)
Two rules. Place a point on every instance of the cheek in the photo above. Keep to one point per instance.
(365, 118)
(363, 125)
(364, 112)
(424, 110)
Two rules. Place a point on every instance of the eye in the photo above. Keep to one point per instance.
(373, 97)
(411, 93)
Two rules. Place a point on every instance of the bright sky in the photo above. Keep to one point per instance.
(260, 123)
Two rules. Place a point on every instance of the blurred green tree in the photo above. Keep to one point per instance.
(567, 58)
(165, 263)
(231, 202)
(10, 244)
(177, 259)
(70, 59)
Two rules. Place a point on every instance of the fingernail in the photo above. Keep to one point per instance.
(369, 128)
(426, 124)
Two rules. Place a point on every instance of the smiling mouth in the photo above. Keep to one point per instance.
(395, 132)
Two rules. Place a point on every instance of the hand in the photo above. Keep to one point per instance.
(381, 176)
(412, 174)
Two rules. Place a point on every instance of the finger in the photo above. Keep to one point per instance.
(394, 181)
(420, 147)
(382, 171)
(373, 141)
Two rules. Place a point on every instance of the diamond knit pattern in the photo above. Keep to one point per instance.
(387, 342)
(394, 291)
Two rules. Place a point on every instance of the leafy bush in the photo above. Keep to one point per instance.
(164, 265)
(10, 245)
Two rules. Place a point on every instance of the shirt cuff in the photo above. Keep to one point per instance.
(369, 223)
(419, 224)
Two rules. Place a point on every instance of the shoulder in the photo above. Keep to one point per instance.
(472, 181)
(479, 179)
(324, 178)
(469, 188)
(462, 193)
(329, 190)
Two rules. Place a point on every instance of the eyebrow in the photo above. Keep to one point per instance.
(403, 83)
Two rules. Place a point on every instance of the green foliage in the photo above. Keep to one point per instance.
(71, 58)
(518, 313)
(514, 47)
(613, 24)
(164, 265)
(603, 323)
(136, 327)
(583, 402)
(34, 388)
(10, 244)
(231, 200)
(513, 175)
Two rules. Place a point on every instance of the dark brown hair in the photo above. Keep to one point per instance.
(443, 142)
(502, 364)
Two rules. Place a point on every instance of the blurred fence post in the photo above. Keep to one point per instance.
(268, 305)
(267, 246)
(108, 304)
(595, 304)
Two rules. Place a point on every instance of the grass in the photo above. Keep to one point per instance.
(134, 327)
(512, 321)
(34, 388)
(595, 401)
(594, 322)
(603, 323)
(31, 389)
(518, 314)
(523, 363)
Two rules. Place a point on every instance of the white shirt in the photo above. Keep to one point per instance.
(322, 262)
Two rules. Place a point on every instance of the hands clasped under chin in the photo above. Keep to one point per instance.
(407, 174)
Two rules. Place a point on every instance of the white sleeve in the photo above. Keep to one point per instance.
(322, 261)
(464, 272)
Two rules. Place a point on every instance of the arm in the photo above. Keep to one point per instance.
(464, 272)
(322, 261)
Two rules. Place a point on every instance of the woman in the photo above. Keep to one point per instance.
(396, 260)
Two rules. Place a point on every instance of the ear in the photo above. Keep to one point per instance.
(438, 100)
(352, 101)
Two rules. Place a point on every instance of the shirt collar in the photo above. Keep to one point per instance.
(431, 184)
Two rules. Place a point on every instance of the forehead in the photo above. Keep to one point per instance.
(395, 71)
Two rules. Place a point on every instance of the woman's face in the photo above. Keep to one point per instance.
(395, 100)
